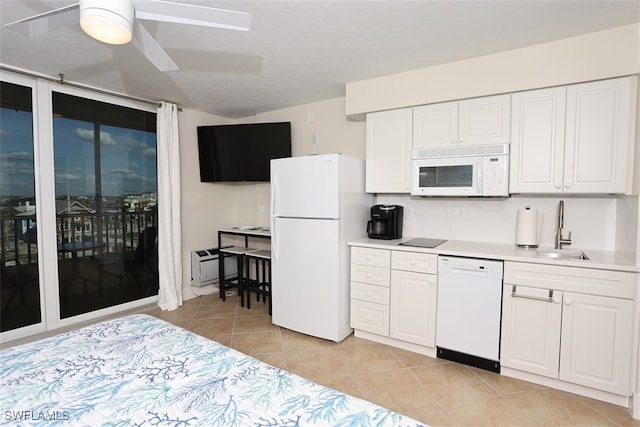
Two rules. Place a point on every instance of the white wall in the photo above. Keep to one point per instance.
(594, 56)
(207, 207)
(333, 132)
(592, 221)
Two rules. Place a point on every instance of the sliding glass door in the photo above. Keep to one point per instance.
(106, 203)
(20, 294)
(78, 205)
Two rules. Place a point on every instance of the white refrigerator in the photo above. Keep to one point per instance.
(318, 204)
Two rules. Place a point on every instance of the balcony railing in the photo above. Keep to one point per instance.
(116, 232)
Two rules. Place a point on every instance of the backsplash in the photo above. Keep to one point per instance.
(592, 221)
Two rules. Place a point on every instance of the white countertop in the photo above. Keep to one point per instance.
(602, 260)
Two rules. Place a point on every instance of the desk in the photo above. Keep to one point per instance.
(259, 233)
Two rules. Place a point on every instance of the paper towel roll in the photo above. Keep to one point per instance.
(527, 228)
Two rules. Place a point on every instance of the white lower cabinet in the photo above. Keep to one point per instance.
(393, 295)
(413, 307)
(531, 330)
(370, 278)
(596, 342)
(562, 334)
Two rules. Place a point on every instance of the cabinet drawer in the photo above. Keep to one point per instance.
(370, 293)
(372, 275)
(370, 317)
(369, 256)
(414, 261)
(608, 283)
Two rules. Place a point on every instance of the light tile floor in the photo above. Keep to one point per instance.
(434, 391)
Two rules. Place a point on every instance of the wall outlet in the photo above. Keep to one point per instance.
(314, 137)
(457, 213)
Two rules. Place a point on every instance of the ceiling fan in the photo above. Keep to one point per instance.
(116, 22)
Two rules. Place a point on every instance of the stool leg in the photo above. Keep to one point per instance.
(263, 283)
(258, 280)
(248, 283)
(221, 275)
(270, 282)
(240, 274)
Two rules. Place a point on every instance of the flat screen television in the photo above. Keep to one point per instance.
(243, 152)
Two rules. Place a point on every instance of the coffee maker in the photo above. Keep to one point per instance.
(386, 222)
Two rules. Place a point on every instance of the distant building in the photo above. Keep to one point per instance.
(74, 223)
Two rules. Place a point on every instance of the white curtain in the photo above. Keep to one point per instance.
(169, 228)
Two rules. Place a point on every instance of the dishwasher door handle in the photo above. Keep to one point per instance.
(547, 299)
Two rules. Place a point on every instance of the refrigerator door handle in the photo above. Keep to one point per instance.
(274, 183)
(274, 245)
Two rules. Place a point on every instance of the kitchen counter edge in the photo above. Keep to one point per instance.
(601, 260)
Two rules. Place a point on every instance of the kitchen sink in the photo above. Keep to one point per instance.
(561, 254)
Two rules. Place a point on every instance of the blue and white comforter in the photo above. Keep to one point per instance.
(139, 370)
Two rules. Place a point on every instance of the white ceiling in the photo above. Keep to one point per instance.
(299, 51)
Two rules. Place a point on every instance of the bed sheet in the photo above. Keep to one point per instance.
(139, 370)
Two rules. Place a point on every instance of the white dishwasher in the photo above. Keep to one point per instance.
(469, 310)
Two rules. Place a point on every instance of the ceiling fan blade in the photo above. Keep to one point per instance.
(180, 13)
(151, 49)
(46, 22)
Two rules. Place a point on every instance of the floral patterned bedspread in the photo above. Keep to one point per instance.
(139, 370)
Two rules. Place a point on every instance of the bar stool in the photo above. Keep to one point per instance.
(233, 282)
(261, 285)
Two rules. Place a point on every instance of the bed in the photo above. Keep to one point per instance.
(140, 370)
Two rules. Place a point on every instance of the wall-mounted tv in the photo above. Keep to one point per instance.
(233, 153)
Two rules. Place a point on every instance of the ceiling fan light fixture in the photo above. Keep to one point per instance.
(109, 21)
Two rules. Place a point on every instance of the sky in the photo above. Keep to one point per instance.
(127, 158)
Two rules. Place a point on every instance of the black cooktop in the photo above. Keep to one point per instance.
(423, 243)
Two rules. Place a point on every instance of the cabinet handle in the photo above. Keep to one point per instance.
(547, 299)
(461, 140)
(367, 318)
(453, 141)
(368, 257)
(558, 186)
(432, 282)
(568, 301)
(568, 185)
(368, 275)
(368, 294)
(412, 262)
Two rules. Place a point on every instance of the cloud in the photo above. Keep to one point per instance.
(68, 177)
(3, 133)
(150, 152)
(134, 143)
(87, 135)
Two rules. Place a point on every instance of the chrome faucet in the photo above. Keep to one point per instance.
(560, 221)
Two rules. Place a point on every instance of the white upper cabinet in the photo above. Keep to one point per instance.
(389, 151)
(435, 125)
(474, 121)
(573, 139)
(537, 146)
(598, 136)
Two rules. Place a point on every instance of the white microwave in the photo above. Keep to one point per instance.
(472, 171)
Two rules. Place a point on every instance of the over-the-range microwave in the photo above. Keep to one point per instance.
(471, 171)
